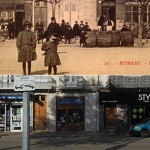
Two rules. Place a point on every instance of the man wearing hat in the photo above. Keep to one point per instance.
(39, 27)
(26, 45)
(81, 26)
(53, 28)
(63, 28)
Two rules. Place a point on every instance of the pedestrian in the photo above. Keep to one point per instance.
(11, 29)
(51, 56)
(83, 38)
(125, 28)
(26, 45)
(63, 28)
(26, 22)
(76, 30)
(109, 24)
(53, 29)
(81, 26)
(87, 27)
(39, 27)
(68, 33)
(5, 29)
(102, 22)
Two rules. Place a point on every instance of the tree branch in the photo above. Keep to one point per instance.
(50, 1)
(57, 1)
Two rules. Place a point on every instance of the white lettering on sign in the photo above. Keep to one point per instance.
(144, 97)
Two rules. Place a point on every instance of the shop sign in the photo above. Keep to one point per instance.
(7, 97)
(144, 97)
(24, 83)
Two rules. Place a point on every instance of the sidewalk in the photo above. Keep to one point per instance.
(78, 60)
(69, 141)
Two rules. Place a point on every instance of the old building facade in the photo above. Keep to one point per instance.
(59, 103)
(119, 11)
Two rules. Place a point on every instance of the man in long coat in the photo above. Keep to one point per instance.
(39, 27)
(53, 29)
(11, 29)
(26, 45)
(76, 30)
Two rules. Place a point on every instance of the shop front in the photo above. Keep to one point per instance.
(70, 113)
(11, 113)
(129, 105)
(127, 99)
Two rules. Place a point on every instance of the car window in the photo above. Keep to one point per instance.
(146, 121)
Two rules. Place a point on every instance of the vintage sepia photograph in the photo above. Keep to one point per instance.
(42, 37)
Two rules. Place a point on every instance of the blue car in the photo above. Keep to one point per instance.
(141, 129)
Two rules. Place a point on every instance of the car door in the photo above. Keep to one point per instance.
(148, 125)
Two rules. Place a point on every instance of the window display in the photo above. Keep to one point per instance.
(2, 118)
(16, 118)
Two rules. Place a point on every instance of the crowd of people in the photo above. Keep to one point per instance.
(106, 24)
(26, 42)
(64, 30)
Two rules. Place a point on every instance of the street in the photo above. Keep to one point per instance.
(79, 60)
(74, 141)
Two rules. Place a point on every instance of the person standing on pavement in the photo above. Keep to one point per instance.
(53, 29)
(81, 26)
(26, 45)
(51, 56)
(39, 27)
(76, 30)
(68, 33)
(87, 27)
(11, 29)
(63, 28)
(110, 24)
(102, 22)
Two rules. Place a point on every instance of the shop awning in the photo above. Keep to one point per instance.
(130, 81)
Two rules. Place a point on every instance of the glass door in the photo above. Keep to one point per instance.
(62, 120)
(76, 120)
(16, 118)
(70, 120)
